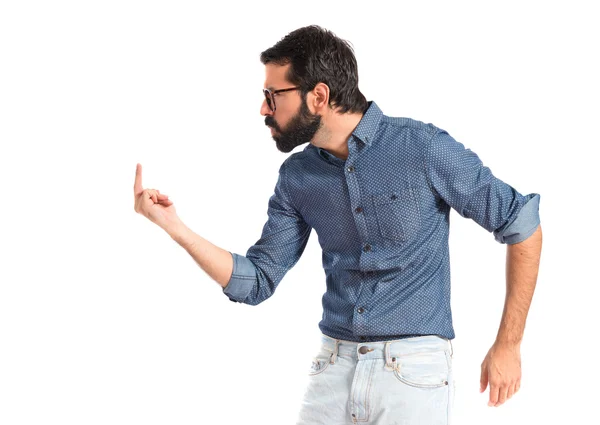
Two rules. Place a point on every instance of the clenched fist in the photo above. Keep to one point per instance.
(152, 204)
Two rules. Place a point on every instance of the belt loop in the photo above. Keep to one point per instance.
(335, 352)
(451, 348)
(389, 365)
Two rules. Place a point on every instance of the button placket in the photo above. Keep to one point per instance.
(360, 320)
(351, 175)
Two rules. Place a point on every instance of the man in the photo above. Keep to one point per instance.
(378, 192)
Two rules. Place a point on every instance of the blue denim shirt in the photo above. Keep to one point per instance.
(382, 219)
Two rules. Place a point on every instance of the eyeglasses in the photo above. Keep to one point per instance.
(270, 96)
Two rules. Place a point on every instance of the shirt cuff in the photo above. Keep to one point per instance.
(524, 225)
(242, 278)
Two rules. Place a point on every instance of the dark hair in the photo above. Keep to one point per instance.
(316, 56)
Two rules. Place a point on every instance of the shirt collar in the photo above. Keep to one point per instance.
(367, 127)
(364, 131)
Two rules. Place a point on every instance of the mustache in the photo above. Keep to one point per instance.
(270, 122)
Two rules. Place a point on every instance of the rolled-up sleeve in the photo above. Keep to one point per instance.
(458, 176)
(284, 237)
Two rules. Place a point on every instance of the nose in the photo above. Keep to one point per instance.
(264, 109)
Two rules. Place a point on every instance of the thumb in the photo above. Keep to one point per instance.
(483, 380)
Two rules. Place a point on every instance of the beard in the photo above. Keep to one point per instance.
(301, 129)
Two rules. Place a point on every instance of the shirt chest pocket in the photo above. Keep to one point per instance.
(398, 214)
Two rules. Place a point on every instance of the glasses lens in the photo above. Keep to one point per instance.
(269, 98)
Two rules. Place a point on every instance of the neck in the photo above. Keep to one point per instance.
(335, 133)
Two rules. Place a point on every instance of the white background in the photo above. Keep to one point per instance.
(104, 319)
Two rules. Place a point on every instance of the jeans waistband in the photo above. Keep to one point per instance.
(387, 350)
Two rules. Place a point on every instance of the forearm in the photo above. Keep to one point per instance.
(215, 261)
(522, 265)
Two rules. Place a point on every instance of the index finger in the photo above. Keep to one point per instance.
(137, 186)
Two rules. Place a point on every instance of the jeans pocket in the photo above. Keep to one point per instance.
(423, 370)
(398, 215)
(321, 362)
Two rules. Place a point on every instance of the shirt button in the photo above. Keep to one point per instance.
(361, 310)
(350, 169)
(362, 338)
(393, 197)
(358, 209)
(367, 248)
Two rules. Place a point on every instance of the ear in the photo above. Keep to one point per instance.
(320, 97)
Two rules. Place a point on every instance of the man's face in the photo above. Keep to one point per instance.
(292, 124)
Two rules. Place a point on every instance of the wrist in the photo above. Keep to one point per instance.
(176, 230)
(508, 342)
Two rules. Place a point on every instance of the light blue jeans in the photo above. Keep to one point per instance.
(405, 381)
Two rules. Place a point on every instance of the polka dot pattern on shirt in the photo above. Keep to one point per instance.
(382, 220)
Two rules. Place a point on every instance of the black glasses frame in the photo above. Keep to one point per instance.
(271, 99)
